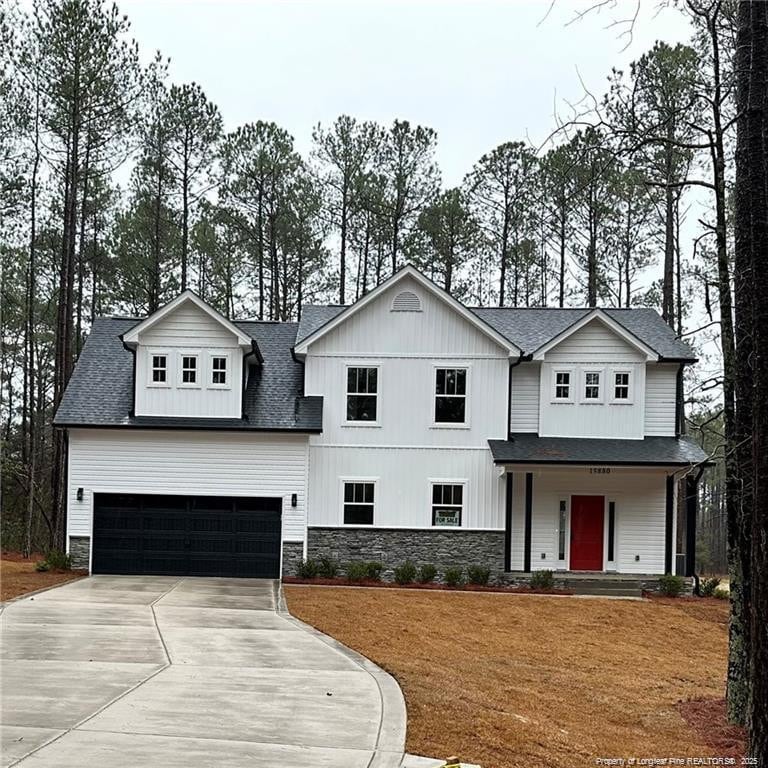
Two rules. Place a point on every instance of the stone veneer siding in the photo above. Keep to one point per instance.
(393, 546)
(79, 551)
(293, 553)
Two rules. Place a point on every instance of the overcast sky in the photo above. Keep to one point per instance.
(479, 72)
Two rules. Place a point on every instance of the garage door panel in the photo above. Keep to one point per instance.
(196, 536)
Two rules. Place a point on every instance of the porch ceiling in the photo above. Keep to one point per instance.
(524, 448)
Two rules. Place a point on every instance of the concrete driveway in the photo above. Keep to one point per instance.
(160, 671)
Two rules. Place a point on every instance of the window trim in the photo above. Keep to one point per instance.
(629, 400)
(343, 480)
(152, 352)
(564, 515)
(180, 373)
(361, 364)
(583, 399)
(553, 391)
(451, 366)
(209, 369)
(431, 483)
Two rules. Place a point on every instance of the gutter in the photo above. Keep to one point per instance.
(132, 412)
(255, 352)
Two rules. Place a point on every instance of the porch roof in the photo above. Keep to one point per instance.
(525, 448)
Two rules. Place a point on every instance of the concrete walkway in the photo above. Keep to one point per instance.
(156, 671)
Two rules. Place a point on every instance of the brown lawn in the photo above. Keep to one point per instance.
(18, 575)
(529, 681)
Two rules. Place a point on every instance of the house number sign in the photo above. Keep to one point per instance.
(599, 470)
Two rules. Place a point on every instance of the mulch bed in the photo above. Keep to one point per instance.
(341, 582)
(707, 717)
(19, 577)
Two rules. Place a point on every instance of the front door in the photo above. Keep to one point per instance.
(587, 520)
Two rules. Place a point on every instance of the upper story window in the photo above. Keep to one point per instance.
(188, 370)
(358, 503)
(562, 386)
(447, 504)
(592, 387)
(450, 395)
(362, 394)
(159, 372)
(219, 372)
(621, 386)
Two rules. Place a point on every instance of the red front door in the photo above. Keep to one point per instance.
(587, 520)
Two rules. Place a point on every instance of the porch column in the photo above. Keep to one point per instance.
(508, 523)
(691, 513)
(668, 527)
(528, 521)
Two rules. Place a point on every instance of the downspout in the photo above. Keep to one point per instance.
(522, 357)
(132, 412)
(254, 351)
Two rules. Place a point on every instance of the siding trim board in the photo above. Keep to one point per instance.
(669, 520)
(508, 500)
(528, 521)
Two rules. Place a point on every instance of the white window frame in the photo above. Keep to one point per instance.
(464, 483)
(562, 564)
(630, 387)
(467, 395)
(342, 482)
(228, 370)
(601, 386)
(152, 353)
(571, 378)
(361, 364)
(180, 375)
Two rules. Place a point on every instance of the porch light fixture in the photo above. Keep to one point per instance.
(79, 494)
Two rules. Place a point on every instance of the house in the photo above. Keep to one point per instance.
(406, 425)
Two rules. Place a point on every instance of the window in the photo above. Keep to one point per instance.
(189, 369)
(592, 386)
(358, 503)
(219, 370)
(563, 385)
(451, 396)
(621, 386)
(561, 530)
(447, 503)
(159, 369)
(362, 394)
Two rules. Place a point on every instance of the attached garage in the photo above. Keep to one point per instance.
(186, 535)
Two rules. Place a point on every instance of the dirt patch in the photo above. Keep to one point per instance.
(534, 682)
(707, 717)
(18, 575)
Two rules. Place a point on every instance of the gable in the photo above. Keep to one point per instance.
(407, 318)
(188, 326)
(594, 342)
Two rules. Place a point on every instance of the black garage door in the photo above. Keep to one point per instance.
(186, 535)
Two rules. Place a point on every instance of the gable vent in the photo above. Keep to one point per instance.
(406, 301)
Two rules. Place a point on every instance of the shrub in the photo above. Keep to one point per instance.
(478, 574)
(671, 585)
(55, 560)
(405, 573)
(542, 580)
(454, 577)
(427, 573)
(708, 586)
(307, 569)
(357, 570)
(42, 565)
(327, 567)
(373, 570)
(721, 593)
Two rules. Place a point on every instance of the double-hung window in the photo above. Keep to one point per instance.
(621, 386)
(358, 503)
(447, 504)
(362, 394)
(562, 386)
(189, 370)
(219, 370)
(159, 372)
(450, 396)
(592, 387)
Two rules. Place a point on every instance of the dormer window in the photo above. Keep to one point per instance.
(219, 370)
(159, 369)
(188, 370)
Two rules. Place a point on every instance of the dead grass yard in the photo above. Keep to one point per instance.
(531, 681)
(18, 575)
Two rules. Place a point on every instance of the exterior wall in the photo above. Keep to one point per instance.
(524, 410)
(594, 343)
(293, 553)
(640, 498)
(185, 463)
(392, 547)
(188, 330)
(661, 399)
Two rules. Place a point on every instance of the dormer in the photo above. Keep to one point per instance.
(189, 361)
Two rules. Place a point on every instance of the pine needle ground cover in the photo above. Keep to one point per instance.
(527, 681)
(18, 575)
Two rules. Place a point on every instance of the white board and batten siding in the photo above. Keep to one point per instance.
(524, 406)
(187, 463)
(661, 399)
(640, 509)
(188, 330)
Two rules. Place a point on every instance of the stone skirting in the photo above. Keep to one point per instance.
(293, 552)
(393, 546)
(79, 551)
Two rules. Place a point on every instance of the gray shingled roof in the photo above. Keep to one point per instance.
(100, 391)
(524, 448)
(529, 329)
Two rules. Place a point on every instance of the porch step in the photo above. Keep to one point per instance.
(611, 588)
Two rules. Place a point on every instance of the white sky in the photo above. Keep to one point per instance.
(479, 72)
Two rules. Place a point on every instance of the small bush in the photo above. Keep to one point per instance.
(357, 570)
(55, 560)
(671, 585)
(721, 593)
(42, 565)
(478, 574)
(327, 567)
(542, 580)
(405, 573)
(427, 573)
(307, 569)
(708, 586)
(454, 577)
(373, 570)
